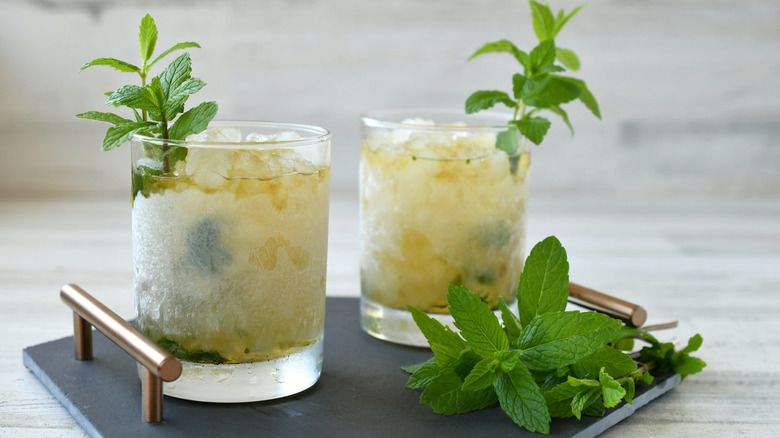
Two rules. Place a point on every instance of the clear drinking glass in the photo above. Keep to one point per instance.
(439, 205)
(230, 233)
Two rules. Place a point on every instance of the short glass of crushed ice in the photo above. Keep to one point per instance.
(439, 205)
(230, 233)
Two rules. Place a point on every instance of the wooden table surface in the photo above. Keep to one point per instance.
(713, 265)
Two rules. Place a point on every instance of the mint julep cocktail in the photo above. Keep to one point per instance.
(229, 256)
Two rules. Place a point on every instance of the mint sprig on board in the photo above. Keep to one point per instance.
(157, 106)
(541, 364)
(540, 86)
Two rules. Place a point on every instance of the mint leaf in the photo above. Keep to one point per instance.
(630, 386)
(626, 332)
(542, 55)
(613, 361)
(179, 95)
(423, 374)
(518, 83)
(585, 95)
(465, 362)
(572, 397)
(557, 339)
(411, 368)
(121, 133)
(445, 395)
(507, 359)
(667, 359)
(586, 396)
(694, 343)
(176, 154)
(445, 344)
(543, 21)
(596, 409)
(559, 399)
(147, 36)
(179, 46)
(549, 68)
(477, 324)
(686, 365)
(544, 282)
(548, 380)
(485, 99)
(103, 117)
(113, 63)
(508, 141)
(611, 391)
(175, 74)
(558, 110)
(193, 121)
(534, 128)
(482, 375)
(562, 19)
(551, 91)
(512, 324)
(520, 398)
(158, 95)
(134, 97)
(502, 46)
(568, 58)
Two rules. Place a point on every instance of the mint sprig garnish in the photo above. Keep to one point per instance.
(539, 87)
(541, 364)
(157, 106)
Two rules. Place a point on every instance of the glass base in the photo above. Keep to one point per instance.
(248, 382)
(398, 326)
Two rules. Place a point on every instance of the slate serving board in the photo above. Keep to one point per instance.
(360, 393)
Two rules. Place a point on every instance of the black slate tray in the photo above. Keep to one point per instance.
(360, 393)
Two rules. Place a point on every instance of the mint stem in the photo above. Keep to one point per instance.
(143, 73)
(166, 158)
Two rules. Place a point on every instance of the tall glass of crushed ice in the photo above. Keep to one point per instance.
(230, 232)
(439, 205)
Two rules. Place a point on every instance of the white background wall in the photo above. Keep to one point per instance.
(689, 90)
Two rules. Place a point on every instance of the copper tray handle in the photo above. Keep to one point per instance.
(159, 365)
(631, 313)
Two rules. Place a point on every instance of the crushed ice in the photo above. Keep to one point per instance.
(252, 163)
(431, 143)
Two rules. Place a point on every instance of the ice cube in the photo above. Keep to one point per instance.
(149, 163)
(218, 134)
(214, 160)
(287, 161)
(247, 163)
(286, 136)
(254, 137)
(418, 122)
(277, 136)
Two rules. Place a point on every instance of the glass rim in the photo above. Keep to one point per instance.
(377, 119)
(318, 135)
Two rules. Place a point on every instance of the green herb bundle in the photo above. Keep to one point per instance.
(540, 86)
(541, 364)
(157, 106)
